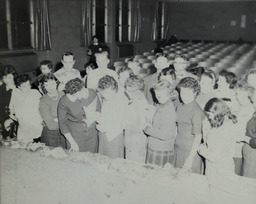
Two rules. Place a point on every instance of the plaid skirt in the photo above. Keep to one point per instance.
(53, 138)
(159, 158)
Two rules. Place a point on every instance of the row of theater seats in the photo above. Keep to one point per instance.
(232, 57)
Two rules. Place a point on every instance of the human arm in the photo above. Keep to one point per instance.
(164, 121)
(63, 124)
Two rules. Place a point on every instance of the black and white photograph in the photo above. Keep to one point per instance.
(127, 101)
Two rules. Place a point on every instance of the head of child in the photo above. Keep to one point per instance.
(49, 84)
(217, 110)
(107, 87)
(180, 63)
(134, 65)
(95, 40)
(23, 83)
(46, 67)
(163, 91)
(89, 67)
(102, 59)
(226, 81)
(251, 78)
(134, 87)
(161, 63)
(123, 74)
(244, 93)
(8, 75)
(68, 60)
(75, 88)
(188, 88)
(207, 82)
(168, 74)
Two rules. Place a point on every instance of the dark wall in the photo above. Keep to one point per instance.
(65, 30)
(211, 20)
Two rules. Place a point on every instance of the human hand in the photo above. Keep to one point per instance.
(89, 52)
(74, 147)
(7, 124)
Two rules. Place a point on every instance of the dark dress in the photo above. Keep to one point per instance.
(189, 121)
(71, 115)
(51, 135)
(5, 97)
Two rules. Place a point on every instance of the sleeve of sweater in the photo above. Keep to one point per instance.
(163, 123)
(63, 117)
(46, 115)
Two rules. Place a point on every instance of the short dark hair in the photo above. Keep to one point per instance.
(191, 83)
(74, 85)
(168, 71)
(67, 54)
(8, 69)
(90, 64)
(220, 109)
(94, 36)
(46, 62)
(23, 78)
(230, 77)
(107, 82)
(124, 69)
(46, 78)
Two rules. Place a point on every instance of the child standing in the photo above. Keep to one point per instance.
(163, 130)
(111, 122)
(135, 139)
(24, 108)
(189, 121)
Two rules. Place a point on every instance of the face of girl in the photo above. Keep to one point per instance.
(162, 95)
(8, 79)
(180, 64)
(50, 86)
(123, 76)
(25, 87)
(252, 80)
(132, 92)
(206, 84)
(222, 84)
(108, 93)
(187, 95)
(45, 69)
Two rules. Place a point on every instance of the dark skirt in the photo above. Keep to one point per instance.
(85, 137)
(53, 138)
(159, 158)
(180, 156)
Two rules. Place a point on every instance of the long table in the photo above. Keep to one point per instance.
(26, 177)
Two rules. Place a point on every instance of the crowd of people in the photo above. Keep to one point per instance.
(198, 121)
